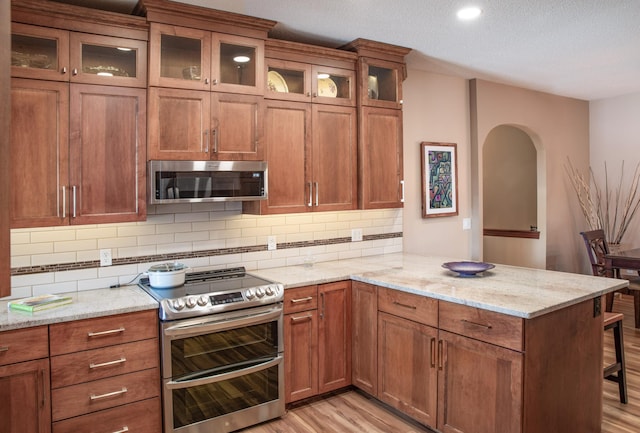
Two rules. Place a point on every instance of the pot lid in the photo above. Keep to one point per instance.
(167, 267)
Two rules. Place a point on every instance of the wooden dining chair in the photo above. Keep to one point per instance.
(597, 248)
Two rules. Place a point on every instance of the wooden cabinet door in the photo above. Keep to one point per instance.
(107, 154)
(40, 52)
(380, 161)
(479, 387)
(179, 124)
(228, 73)
(334, 336)
(364, 337)
(287, 140)
(25, 396)
(407, 374)
(301, 355)
(236, 127)
(334, 156)
(39, 169)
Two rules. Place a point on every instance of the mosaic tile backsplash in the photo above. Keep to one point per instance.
(203, 236)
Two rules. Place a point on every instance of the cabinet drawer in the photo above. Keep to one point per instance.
(86, 334)
(488, 326)
(104, 394)
(300, 299)
(141, 417)
(105, 362)
(420, 309)
(23, 345)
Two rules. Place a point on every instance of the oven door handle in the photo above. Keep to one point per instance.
(198, 327)
(226, 376)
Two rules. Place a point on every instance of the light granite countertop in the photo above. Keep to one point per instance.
(516, 291)
(85, 305)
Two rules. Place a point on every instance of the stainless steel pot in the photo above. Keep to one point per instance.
(167, 275)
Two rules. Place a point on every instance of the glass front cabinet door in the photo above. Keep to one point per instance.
(333, 86)
(39, 52)
(381, 84)
(187, 58)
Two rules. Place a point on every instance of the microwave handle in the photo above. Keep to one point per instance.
(172, 384)
(198, 327)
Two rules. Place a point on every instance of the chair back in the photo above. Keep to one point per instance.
(597, 248)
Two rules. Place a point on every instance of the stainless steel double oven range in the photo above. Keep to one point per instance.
(221, 339)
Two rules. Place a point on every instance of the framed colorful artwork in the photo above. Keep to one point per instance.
(439, 179)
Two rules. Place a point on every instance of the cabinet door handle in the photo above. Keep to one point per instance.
(75, 71)
(64, 70)
(122, 430)
(400, 304)
(74, 190)
(64, 201)
(301, 318)
(108, 394)
(317, 188)
(402, 186)
(214, 81)
(206, 141)
(4, 348)
(310, 195)
(481, 325)
(307, 299)
(108, 363)
(433, 352)
(440, 354)
(214, 132)
(44, 391)
(206, 81)
(322, 308)
(103, 333)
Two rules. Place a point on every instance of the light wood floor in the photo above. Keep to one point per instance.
(352, 412)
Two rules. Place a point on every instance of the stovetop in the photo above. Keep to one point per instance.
(211, 292)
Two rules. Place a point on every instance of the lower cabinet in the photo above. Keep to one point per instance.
(105, 374)
(462, 369)
(317, 339)
(24, 381)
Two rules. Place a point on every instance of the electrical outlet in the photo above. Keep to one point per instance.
(105, 257)
(271, 243)
(356, 235)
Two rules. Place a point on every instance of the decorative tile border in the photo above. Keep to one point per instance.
(59, 267)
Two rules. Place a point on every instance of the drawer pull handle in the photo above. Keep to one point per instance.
(4, 349)
(307, 299)
(122, 430)
(301, 318)
(109, 394)
(482, 325)
(400, 304)
(103, 333)
(107, 364)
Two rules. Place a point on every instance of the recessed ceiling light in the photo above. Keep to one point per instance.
(470, 13)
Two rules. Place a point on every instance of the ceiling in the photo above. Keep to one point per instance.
(586, 49)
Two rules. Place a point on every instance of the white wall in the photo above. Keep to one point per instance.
(436, 108)
(614, 129)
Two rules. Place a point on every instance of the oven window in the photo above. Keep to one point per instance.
(218, 352)
(200, 403)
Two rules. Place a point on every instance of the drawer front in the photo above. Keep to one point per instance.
(24, 345)
(102, 394)
(300, 299)
(488, 326)
(88, 365)
(420, 309)
(87, 334)
(141, 417)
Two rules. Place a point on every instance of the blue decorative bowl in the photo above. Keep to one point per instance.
(467, 269)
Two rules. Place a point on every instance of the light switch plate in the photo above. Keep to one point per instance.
(466, 223)
(105, 257)
(271, 243)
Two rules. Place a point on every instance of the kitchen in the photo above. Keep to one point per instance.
(174, 229)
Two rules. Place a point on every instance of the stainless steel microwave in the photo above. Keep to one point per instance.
(206, 181)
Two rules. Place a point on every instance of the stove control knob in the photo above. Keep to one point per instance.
(269, 291)
(203, 300)
(249, 294)
(177, 304)
(190, 302)
(259, 292)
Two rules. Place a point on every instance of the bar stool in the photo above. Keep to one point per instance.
(616, 372)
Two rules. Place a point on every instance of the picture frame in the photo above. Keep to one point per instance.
(439, 167)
